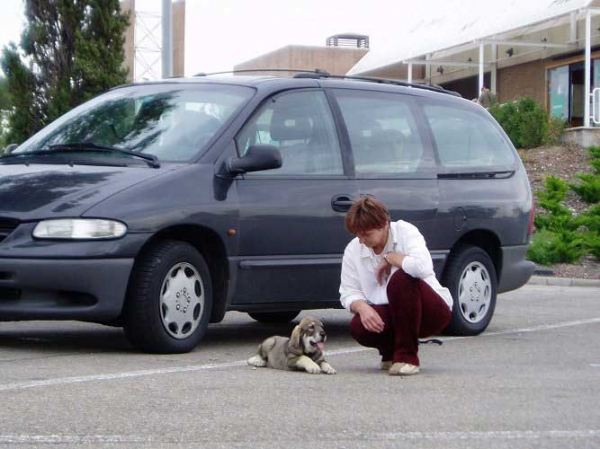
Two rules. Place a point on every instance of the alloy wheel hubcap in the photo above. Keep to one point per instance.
(474, 292)
(181, 300)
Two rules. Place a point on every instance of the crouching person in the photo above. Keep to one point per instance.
(389, 284)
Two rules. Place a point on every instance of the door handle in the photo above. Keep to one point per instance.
(341, 203)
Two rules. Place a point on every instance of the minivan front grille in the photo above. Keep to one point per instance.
(7, 225)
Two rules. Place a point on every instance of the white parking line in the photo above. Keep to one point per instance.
(495, 435)
(111, 376)
(184, 369)
(71, 439)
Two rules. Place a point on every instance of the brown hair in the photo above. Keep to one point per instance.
(365, 214)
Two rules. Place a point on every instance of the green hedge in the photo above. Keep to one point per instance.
(561, 236)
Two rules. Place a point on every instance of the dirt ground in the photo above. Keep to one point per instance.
(564, 162)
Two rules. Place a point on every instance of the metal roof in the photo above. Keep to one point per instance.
(438, 25)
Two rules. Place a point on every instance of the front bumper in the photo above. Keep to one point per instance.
(66, 280)
(74, 289)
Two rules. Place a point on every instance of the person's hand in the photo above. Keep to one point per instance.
(369, 318)
(382, 272)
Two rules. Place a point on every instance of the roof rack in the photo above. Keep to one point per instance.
(323, 74)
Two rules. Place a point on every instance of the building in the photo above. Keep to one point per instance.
(545, 49)
(548, 50)
(342, 52)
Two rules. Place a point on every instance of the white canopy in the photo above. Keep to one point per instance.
(436, 25)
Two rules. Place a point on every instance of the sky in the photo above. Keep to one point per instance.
(11, 22)
(222, 33)
(227, 32)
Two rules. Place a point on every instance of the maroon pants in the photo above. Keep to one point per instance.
(414, 311)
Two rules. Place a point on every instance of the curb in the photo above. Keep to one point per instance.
(564, 282)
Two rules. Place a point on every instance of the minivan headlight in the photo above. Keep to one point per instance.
(79, 229)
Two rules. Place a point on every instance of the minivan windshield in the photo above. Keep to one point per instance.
(171, 122)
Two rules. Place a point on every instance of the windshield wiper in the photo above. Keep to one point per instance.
(78, 146)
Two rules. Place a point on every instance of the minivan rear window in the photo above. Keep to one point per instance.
(168, 121)
(466, 139)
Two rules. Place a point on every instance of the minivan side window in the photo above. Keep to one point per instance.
(466, 139)
(383, 132)
(300, 124)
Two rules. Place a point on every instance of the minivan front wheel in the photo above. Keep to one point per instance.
(169, 299)
(471, 278)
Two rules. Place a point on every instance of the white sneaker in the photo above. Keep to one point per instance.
(386, 365)
(403, 369)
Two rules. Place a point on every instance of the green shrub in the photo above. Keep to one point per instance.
(525, 121)
(507, 116)
(589, 188)
(592, 244)
(595, 162)
(562, 237)
(595, 152)
(590, 219)
(556, 130)
(549, 247)
(555, 192)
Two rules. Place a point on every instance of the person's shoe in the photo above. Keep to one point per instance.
(403, 369)
(386, 365)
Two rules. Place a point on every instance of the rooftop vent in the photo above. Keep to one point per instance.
(348, 40)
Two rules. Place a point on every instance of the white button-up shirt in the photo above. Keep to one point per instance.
(360, 262)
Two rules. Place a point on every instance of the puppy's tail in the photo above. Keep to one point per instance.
(258, 360)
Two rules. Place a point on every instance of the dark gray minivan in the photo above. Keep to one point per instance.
(160, 206)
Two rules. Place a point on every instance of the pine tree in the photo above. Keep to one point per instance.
(101, 38)
(4, 107)
(72, 50)
(24, 118)
(4, 99)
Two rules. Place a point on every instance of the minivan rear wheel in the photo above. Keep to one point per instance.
(169, 299)
(471, 278)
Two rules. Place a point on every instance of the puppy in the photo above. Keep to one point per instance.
(302, 351)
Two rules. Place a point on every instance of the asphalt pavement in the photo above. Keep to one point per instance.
(531, 380)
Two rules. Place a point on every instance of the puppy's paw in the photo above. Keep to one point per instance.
(327, 368)
(313, 369)
(256, 361)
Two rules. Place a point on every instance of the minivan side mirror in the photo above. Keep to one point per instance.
(9, 149)
(257, 157)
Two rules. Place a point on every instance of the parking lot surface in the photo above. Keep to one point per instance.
(531, 380)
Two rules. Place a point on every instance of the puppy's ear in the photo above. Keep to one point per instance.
(295, 338)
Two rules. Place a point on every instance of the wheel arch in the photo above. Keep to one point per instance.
(211, 246)
(484, 239)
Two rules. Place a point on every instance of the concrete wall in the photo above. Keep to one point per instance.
(335, 60)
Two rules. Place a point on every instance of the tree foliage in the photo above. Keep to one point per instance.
(70, 51)
(4, 98)
(4, 106)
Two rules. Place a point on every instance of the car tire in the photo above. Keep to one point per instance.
(471, 278)
(169, 299)
(274, 317)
